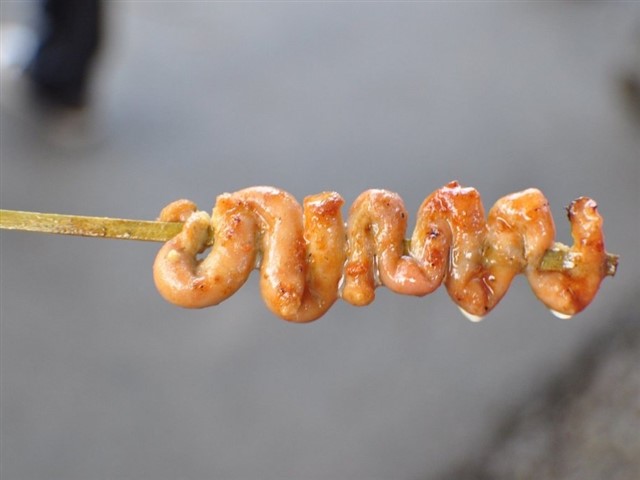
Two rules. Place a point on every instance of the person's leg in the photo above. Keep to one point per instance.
(69, 40)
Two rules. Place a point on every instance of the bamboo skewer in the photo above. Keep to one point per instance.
(100, 227)
(557, 258)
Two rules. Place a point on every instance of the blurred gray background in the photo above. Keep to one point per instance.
(101, 379)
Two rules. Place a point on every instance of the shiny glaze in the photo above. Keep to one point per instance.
(309, 259)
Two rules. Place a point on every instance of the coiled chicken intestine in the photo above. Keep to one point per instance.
(308, 257)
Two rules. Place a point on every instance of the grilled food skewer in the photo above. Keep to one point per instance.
(556, 258)
(309, 257)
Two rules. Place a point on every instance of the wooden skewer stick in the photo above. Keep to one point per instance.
(557, 258)
(101, 227)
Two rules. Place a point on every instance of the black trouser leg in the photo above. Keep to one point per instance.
(69, 40)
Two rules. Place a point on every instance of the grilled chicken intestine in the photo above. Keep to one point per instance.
(308, 257)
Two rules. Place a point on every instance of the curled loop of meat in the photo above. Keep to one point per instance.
(308, 257)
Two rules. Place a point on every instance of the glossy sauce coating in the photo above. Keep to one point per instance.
(309, 258)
